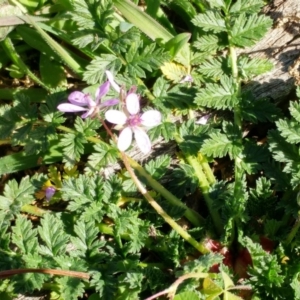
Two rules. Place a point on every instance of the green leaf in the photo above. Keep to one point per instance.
(87, 127)
(166, 129)
(227, 280)
(129, 223)
(86, 242)
(24, 236)
(142, 20)
(5, 11)
(258, 110)
(246, 6)
(52, 72)
(175, 44)
(251, 67)
(70, 288)
(253, 156)
(211, 20)
(249, 29)
(290, 130)
(141, 58)
(8, 121)
(295, 110)
(73, 147)
(218, 96)
(210, 43)
(282, 150)
(214, 67)
(95, 71)
(52, 233)
(220, 144)
(15, 196)
(103, 156)
(81, 191)
(158, 167)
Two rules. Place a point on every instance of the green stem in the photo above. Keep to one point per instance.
(195, 218)
(9, 49)
(294, 231)
(206, 168)
(204, 186)
(183, 233)
(238, 193)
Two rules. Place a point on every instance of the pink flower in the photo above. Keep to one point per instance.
(83, 102)
(133, 123)
(49, 193)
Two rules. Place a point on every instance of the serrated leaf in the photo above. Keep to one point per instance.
(24, 236)
(86, 241)
(15, 196)
(214, 67)
(295, 110)
(157, 168)
(141, 58)
(87, 127)
(253, 156)
(73, 147)
(95, 71)
(219, 96)
(166, 129)
(218, 145)
(289, 130)
(71, 288)
(81, 191)
(249, 29)
(241, 6)
(251, 67)
(211, 20)
(174, 71)
(103, 156)
(282, 151)
(52, 233)
(259, 110)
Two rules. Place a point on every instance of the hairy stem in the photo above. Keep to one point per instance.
(204, 186)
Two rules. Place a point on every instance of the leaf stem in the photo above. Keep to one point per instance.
(204, 186)
(294, 231)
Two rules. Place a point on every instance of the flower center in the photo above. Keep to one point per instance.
(134, 120)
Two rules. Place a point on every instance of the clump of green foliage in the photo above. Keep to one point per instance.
(79, 218)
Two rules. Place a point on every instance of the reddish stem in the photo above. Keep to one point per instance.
(8, 273)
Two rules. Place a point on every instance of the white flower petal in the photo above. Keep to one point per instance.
(142, 140)
(133, 103)
(151, 118)
(203, 120)
(67, 107)
(125, 139)
(116, 117)
(111, 80)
